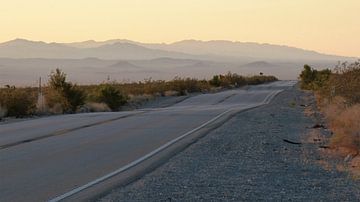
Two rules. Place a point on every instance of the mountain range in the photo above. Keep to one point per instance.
(120, 49)
(22, 61)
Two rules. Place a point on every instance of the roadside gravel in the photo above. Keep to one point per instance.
(247, 159)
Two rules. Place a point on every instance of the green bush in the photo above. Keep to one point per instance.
(110, 95)
(312, 79)
(215, 81)
(18, 102)
(60, 92)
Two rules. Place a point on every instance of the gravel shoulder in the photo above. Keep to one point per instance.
(247, 159)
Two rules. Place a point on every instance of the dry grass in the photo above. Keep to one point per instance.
(345, 123)
(338, 98)
(355, 167)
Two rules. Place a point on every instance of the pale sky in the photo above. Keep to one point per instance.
(327, 26)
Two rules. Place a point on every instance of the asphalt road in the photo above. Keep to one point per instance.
(44, 158)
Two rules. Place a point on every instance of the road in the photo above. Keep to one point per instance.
(44, 158)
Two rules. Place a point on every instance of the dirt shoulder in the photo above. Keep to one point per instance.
(254, 156)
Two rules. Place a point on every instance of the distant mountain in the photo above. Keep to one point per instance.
(95, 44)
(22, 61)
(228, 50)
(165, 62)
(244, 49)
(124, 65)
(122, 49)
(259, 64)
(21, 48)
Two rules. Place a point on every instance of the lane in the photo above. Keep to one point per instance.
(26, 130)
(43, 169)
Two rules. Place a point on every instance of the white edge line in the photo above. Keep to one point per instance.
(134, 163)
(147, 156)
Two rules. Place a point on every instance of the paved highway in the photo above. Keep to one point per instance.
(44, 158)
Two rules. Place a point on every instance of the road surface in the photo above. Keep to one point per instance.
(45, 158)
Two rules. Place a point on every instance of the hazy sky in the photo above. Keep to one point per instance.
(329, 26)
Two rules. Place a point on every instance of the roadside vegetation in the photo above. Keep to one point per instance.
(338, 97)
(60, 96)
(17, 102)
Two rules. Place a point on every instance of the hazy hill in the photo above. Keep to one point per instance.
(221, 49)
(259, 64)
(122, 49)
(244, 49)
(94, 44)
(20, 48)
(22, 62)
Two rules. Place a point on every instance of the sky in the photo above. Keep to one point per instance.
(326, 26)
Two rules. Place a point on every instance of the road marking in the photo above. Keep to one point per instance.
(65, 131)
(154, 152)
(224, 99)
(136, 162)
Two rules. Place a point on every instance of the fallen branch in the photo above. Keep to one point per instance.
(291, 142)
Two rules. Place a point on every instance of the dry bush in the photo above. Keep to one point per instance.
(109, 94)
(235, 80)
(346, 127)
(19, 102)
(183, 85)
(345, 82)
(338, 97)
(68, 95)
(344, 121)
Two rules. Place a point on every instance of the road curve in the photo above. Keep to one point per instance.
(44, 158)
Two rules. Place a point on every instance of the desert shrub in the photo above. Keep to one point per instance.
(18, 102)
(215, 81)
(110, 95)
(338, 97)
(344, 122)
(185, 85)
(312, 79)
(345, 82)
(60, 92)
(306, 77)
(234, 80)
